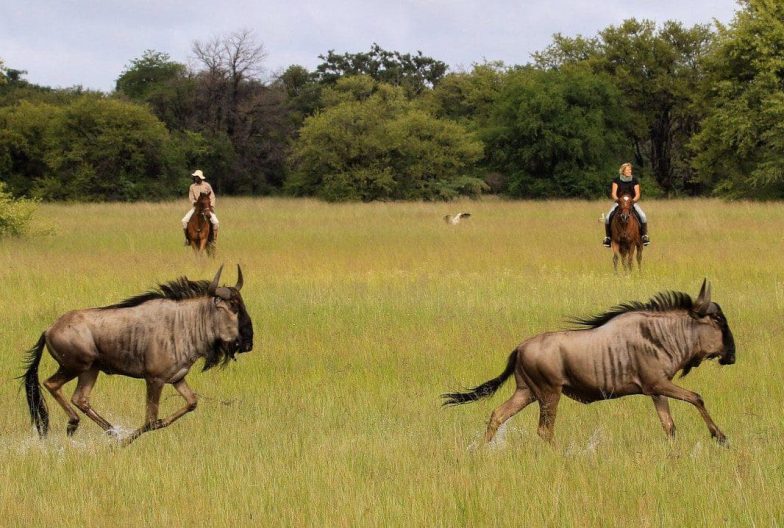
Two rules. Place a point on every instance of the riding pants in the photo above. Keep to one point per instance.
(640, 213)
(213, 218)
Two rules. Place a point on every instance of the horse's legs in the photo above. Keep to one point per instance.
(54, 385)
(81, 397)
(663, 410)
(639, 257)
(548, 405)
(669, 389)
(154, 388)
(615, 250)
(522, 396)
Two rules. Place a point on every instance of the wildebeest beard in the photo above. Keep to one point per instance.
(221, 353)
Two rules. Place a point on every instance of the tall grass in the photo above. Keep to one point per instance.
(364, 314)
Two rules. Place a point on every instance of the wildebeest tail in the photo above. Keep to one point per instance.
(39, 415)
(484, 390)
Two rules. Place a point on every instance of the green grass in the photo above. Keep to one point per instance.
(364, 314)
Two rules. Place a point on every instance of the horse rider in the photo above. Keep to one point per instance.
(626, 183)
(199, 186)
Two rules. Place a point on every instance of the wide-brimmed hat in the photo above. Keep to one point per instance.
(198, 173)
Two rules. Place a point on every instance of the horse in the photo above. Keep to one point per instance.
(633, 348)
(157, 336)
(625, 234)
(200, 230)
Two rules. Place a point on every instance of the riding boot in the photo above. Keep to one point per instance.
(187, 240)
(644, 233)
(606, 241)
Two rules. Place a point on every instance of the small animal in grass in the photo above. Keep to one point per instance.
(455, 219)
(633, 348)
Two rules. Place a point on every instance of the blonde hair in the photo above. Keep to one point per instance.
(620, 171)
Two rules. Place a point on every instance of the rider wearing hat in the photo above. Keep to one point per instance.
(198, 187)
(626, 183)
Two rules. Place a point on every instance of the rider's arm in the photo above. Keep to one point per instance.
(192, 195)
(636, 193)
(614, 193)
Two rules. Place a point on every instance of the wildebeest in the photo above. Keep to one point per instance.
(156, 336)
(633, 348)
(625, 235)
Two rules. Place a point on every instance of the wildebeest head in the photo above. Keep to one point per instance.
(716, 338)
(233, 325)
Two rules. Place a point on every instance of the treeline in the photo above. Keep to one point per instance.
(698, 110)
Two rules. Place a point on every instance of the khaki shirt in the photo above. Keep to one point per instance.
(198, 188)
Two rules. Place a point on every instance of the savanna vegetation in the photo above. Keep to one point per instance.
(364, 314)
(696, 109)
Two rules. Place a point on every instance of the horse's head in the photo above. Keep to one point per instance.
(625, 203)
(203, 202)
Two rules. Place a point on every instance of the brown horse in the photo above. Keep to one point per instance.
(633, 348)
(625, 234)
(200, 230)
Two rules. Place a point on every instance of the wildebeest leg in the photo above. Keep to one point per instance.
(81, 398)
(54, 385)
(515, 404)
(154, 388)
(679, 393)
(663, 410)
(548, 405)
(190, 403)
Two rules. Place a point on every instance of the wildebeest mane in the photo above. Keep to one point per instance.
(176, 290)
(661, 302)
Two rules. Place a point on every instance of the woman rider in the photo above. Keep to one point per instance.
(625, 183)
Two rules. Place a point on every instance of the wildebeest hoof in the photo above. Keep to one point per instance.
(722, 440)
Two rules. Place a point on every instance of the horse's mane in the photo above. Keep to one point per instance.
(661, 302)
(176, 290)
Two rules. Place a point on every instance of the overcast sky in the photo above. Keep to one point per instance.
(63, 43)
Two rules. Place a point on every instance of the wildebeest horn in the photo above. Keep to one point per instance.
(239, 278)
(703, 299)
(214, 283)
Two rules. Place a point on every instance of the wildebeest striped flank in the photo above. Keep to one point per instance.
(157, 336)
(633, 348)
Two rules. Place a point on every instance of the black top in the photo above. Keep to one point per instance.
(625, 187)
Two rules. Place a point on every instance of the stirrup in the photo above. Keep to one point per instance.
(645, 240)
(606, 242)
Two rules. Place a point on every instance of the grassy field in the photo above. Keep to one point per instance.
(364, 314)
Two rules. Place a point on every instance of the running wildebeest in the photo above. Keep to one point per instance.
(157, 336)
(633, 348)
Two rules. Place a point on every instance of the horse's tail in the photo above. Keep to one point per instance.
(486, 389)
(39, 415)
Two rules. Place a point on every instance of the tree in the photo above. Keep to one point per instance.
(468, 97)
(555, 134)
(15, 214)
(414, 73)
(105, 149)
(658, 72)
(371, 143)
(163, 84)
(739, 148)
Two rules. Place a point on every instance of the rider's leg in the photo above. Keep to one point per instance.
(185, 220)
(215, 224)
(607, 234)
(643, 224)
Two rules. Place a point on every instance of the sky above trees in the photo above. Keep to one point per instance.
(90, 42)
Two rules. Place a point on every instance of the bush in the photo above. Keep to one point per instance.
(15, 215)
